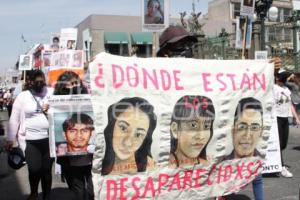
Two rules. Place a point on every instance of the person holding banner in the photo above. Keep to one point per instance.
(283, 105)
(128, 137)
(75, 169)
(191, 130)
(69, 83)
(30, 106)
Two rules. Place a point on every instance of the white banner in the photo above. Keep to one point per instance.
(247, 8)
(155, 15)
(67, 59)
(71, 125)
(68, 38)
(178, 128)
(273, 158)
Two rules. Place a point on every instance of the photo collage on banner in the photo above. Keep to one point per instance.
(71, 125)
(155, 15)
(166, 133)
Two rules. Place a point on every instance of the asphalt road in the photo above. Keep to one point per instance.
(14, 184)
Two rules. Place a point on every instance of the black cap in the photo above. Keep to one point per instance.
(16, 158)
(173, 34)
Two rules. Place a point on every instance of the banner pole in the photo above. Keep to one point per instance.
(154, 44)
(244, 38)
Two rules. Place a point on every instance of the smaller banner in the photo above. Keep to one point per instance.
(71, 125)
(68, 38)
(155, 15)
(68, 59)
(296, 4)
(55, 38)
(46, 58)
(243, 32)
(273, 161)
(247, 8)
(261, 55)
(25, 62)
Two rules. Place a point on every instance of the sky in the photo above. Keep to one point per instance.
(36, 20)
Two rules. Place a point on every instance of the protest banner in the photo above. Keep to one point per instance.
(176, 128)
(247, 8)
(25, 62)
(155, 15)
(243, 32)
(71, 125)
(68, 38)
(68, 60)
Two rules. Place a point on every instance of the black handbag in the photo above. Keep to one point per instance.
(16, 158)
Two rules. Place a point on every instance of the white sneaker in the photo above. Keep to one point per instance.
(286, 173)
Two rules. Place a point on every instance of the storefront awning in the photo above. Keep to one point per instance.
(141, 38)
(115, 38)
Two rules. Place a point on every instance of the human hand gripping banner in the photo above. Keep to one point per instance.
(178, 128)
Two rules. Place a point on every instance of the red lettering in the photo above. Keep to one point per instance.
(231, 76)
(133, 80)
(123, 189)
(222, 82)
(261, 81)
(187, 179)
(175, 182)
(162, 181)
(209, 182)
(219, 176)
(177, 80)
(117, 84)
(152, 79)
(198, 177)
(249, 166)
(165, 80)
(98, 83)
(136, 188)
(246, 82)
(111, 186)
(228, 173)
(206, 82)
(239, 171)
(149, 187)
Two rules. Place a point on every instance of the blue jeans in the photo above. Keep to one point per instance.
(257, 186)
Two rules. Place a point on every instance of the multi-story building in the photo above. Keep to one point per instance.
(223, 13)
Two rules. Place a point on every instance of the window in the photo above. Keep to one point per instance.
(236, 10)
(117, 49)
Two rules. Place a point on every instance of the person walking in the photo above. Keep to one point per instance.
(30, 107)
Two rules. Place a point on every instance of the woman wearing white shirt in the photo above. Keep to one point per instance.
(31, 105)
(283, 106)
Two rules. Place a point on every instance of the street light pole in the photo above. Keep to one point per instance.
(261, 8)
(295, 17)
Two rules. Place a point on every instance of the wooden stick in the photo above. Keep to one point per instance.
(244, 38)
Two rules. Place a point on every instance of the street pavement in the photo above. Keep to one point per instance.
(14, 184)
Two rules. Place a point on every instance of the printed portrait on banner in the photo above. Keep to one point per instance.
(128, 137)
(25, 62)
(167, 132)
(55, 40)
(72, 125)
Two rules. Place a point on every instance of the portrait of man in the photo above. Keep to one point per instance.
(77, 130)
(55, 43)
(247, 128)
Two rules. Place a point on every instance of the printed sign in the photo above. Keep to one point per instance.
(175, 128)
(68, 38)
(273, 163)
(155, 15)
(55, 40)
(243, 32)
(25, 62)
(261, 55)
(71, 125)
(296, 4)
(67, 59)
(247, 8)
